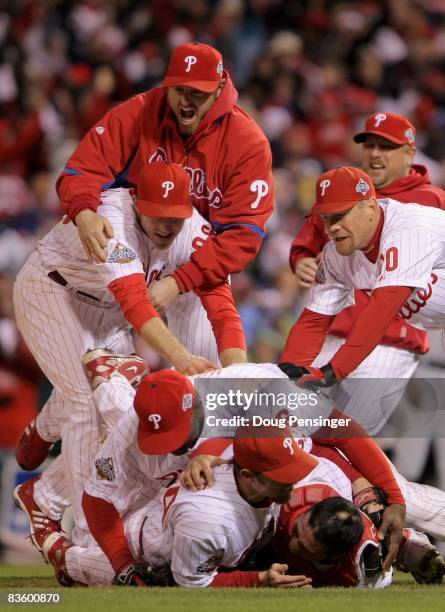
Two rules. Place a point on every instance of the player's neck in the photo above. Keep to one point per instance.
(371, 250)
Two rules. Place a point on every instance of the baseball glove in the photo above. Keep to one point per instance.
(142, 574)
(372, 495)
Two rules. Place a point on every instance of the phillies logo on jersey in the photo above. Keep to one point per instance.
(190, 60)
(362, 187)
(378, 119)
(323, 186)
(155, 419)
(418, 299)
(199, 189)
(320, 275)
(261, 188)
(289, 444)
(167, 186)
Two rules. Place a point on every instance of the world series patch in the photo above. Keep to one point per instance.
(210, 565)
(105, 469)
(121, 254)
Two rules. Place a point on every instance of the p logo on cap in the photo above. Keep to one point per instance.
(340, 189)
(163, 190)
(194, 65)
(395, 128)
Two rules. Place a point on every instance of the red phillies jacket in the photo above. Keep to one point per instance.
(311, 239)
(228, 159)
(345, 571)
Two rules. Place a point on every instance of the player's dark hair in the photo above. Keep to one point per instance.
(337, 524)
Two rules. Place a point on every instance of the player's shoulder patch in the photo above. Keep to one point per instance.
(207, 567)
(105, 469)
(121, 254)
(320, 275)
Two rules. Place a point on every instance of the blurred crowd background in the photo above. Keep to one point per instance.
(309, 71)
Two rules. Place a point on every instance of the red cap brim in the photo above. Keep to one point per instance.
(331, 208)
(153, 209)
(207, 86)
(151, 443)
(362, 137)
(293, 472)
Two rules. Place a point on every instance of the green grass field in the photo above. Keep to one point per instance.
(404, 595)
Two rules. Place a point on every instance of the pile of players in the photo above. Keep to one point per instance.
(168, 195)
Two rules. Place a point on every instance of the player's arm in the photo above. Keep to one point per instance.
(305, 250)
(369, 328)
(107, 528)
(366, 456)
(196, 559)
(226, 323)
(248, 202)
(101, 155)
(327, 297)
(131, 294)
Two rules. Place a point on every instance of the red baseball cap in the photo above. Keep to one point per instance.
(273, 452)
(194, 65)
(163, 402)
(395, 128)
(340, 189)
(163, 190)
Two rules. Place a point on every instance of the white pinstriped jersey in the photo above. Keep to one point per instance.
(411, 254)
(126, 477)
(198, 532)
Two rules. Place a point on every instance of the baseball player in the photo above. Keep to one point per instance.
(196, 533)
(248, 378)
(392, 251)
(327, 538)
(388, 149)
(65, 305)
(192, 120)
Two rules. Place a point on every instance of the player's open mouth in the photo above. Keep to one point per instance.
(187, 116)
(376, 166)
(337, 240)
(164, 236)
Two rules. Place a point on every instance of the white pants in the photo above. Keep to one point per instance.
(372, 391)
(59, 326)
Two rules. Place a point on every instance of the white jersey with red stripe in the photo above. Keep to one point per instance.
(411, 254)
(62, 319)
(126, 477)
(196, 532)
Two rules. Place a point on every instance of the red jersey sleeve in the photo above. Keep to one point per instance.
(239, 224)
(309, 241)
(107, 529)
(223, 316)
(236, 579)
(369, 328)
(365, 456)
(101, 155)
(130, 293)
(306, 338)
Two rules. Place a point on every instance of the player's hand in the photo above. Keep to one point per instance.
(310, 377)
(391, 528)
(163, 293)
(189, 364)
(198, 474)
(94, 232)
(276, 576)
(305, 271)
